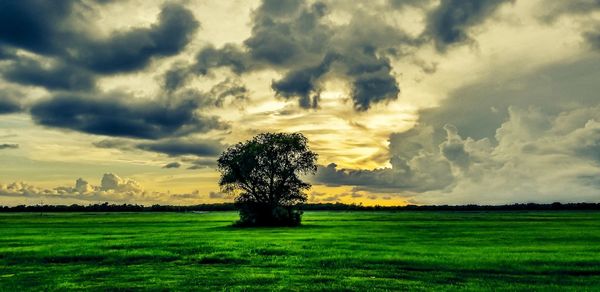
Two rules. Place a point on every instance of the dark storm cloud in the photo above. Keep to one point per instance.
(449, 23)
(286, 32)
(373, 81)
(9, 106)
(593, 38)
(54, 30)
(7, 53)
(10, 101)
(172, 165)
(185, 147)
(294, 38)
(175, 77)
(228, 56)
(123, 116)
(356, 48)
(224, 90)
(421, 177)
(121, 144)
(291, 36)
(209, 57)
(8, 146)
(41, 25)
(303, 83)
(281, 8)
(133, 49)
(58, 76)
(400, 4)
(176, 147)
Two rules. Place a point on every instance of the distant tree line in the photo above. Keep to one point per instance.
(106, 207)
(508, 207)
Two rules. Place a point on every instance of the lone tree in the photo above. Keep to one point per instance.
(262, 173)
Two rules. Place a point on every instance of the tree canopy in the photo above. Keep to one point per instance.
(264, 175)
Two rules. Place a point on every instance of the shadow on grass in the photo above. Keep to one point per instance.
(221, 259)
(234, 227)
(109, 259)
(267, 251)
(89, 258)
(526, 272)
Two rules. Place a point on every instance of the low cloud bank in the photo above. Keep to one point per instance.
(529, 139)
(112, 189)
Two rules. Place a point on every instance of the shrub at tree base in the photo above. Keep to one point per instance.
(256, 215)
(263, 176)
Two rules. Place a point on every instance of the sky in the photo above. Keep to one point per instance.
(405, 101)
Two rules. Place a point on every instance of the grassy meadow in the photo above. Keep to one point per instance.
(331, 251)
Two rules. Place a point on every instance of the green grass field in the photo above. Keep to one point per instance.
(331, 251)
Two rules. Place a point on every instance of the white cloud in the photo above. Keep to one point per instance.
(538, 158)
(112, 189)
(535, 157)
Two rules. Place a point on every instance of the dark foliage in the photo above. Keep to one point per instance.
(265, 215)
(263, 174)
